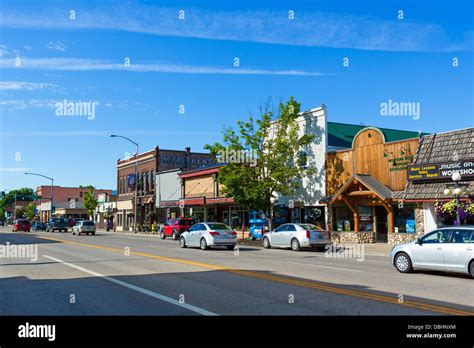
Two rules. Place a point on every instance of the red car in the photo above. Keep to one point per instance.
(175, 227)
(21, 225)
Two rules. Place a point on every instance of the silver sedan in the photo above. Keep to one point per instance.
(449, 249)
(296, 236)
(87, 227)
(209, 234)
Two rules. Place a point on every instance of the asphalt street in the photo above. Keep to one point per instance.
(111, 274)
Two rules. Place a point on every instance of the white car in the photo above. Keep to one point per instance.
(449, 249)
(84, 226)
(209, 234)
(297, 236)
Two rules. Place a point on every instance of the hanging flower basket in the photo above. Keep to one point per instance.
(446, 209)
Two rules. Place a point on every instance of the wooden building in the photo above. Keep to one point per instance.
(364, 184)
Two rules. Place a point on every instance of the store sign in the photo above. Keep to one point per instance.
(440, 171)
(131, 180)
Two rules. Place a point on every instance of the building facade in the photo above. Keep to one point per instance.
(438, 157)
(67, 201)
(304, 205)
(149, 163)
(202, 198)
(365, 182)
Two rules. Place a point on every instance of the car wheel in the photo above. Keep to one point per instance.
(295, 244)
(266, 243)
(182, 242)
(162, 235)
(230, 247)
(203, 244)
(93, 233)
(471, 268)
(321, 248)
(174, 236)
(403, 263)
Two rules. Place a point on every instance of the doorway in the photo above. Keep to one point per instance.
(381, 228)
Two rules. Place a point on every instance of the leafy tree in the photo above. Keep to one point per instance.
(23, 194)
(89, 201)
(19, 212)
(30, 211)
(278, 168)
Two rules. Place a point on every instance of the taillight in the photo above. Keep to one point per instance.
(233, 233)
(214, 233)
(308, 234)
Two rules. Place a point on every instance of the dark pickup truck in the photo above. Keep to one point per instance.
(56, 224)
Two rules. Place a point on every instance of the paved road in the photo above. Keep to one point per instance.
(111, 274)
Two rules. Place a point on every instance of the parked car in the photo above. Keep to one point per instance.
(209, 234)
(84, 226)
(175, 227)
(21, 225)
(449, 249)
(39, 226)
(71, 222)
(297, 236)
(56, 225)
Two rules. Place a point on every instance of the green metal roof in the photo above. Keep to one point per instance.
(342, 134)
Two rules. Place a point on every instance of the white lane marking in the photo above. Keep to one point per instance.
(136, 288)
(309, 264)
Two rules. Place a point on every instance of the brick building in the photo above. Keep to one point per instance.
(149, 163)
(67, 201)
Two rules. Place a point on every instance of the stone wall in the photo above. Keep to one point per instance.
(352, 237)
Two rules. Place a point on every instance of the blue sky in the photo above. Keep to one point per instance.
(190, 62)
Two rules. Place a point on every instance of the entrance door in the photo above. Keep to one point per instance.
(381, 228)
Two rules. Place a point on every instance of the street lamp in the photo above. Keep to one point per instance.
(136, 181)
(52, 184)
(456, 189)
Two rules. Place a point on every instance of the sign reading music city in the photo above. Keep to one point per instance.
(440, 171)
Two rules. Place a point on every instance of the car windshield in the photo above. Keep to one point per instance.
(186, 222)
(218, 227)
(311, 227)
(88, 223)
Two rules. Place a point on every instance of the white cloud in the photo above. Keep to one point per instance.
(308, 28)
(8, 52)
(29, 86)
(78, 64)
(56, 46)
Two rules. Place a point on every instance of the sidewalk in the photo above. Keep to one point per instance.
(375, 249)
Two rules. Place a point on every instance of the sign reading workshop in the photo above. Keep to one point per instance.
(440, 171)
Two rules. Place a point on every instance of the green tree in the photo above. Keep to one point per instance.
(23, 194)
(275, 167)
(90, 202)
(30, 211)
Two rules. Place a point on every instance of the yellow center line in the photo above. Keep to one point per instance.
(280, 279)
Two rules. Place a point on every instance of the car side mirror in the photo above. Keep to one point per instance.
(419, 241)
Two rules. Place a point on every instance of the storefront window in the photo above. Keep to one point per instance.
(344, 219)
(198, 213)
(404, 218)
(365, 219)
(315, 216)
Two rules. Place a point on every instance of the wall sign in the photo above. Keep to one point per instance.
(440, 171)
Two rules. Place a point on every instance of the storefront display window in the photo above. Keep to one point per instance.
(344, 219)
(404, 218)
(365, 219)
(315, 216)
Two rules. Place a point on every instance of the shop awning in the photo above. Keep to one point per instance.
(427, 191)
